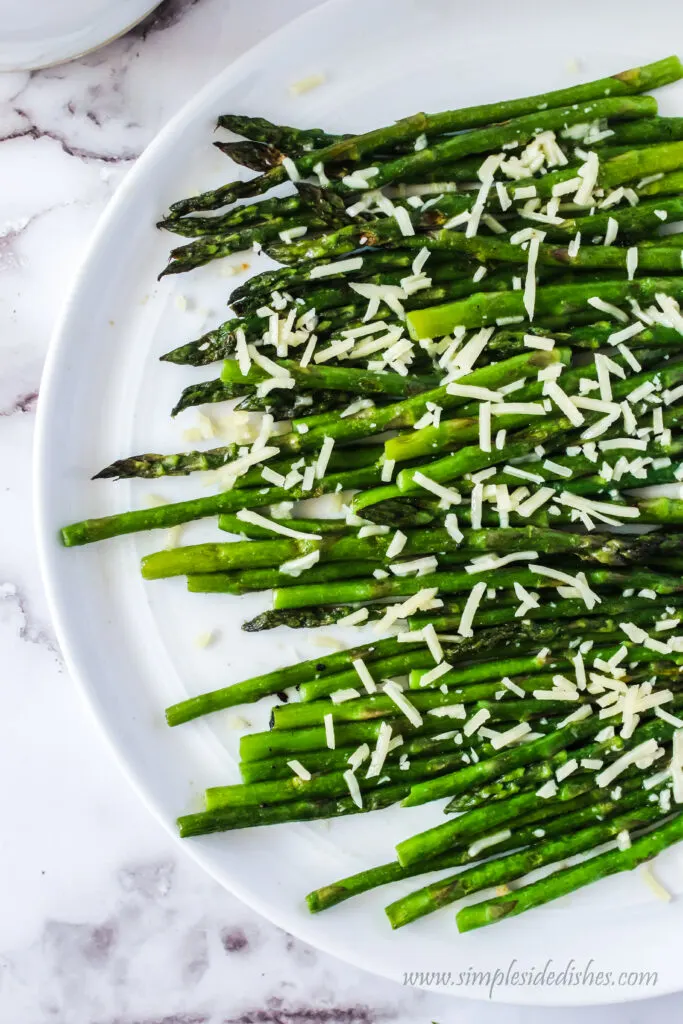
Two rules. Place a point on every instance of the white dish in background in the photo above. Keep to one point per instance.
(38, 33)
(104, 395)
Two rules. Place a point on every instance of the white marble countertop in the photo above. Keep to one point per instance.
(102, 920)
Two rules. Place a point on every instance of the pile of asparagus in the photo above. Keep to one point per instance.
(471, 348)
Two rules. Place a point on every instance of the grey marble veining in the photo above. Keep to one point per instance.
(102, 919)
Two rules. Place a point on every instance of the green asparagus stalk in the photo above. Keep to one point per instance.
(360, 382)
(233, 524)
(480, 820)
(410, 128)
(361, 591)
(225, 819)
(176, 513)
(479, 310)
(293, 141)
(253, 689)
(569, 879)
(151, 465)
(564, 824)
(247, 581)
(505, 869)
(593, 547)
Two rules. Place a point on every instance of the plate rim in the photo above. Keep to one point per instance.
(36, 55)
(46, 549)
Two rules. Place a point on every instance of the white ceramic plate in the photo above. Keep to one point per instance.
(104, 395)
(38, 33)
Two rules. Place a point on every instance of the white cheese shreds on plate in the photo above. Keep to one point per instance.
(533, 503)
(513, 687)
(642, 750)
(556, 468)
(611, 232)
(419, 566)
(246, 516)
(353, 787)
(485, 426)
(677, 766)
(469, 611)
(339, 696)
(577, 582)
(588, 172)
(547, 790)
(328, 721)
(513, 735)
(364, 675)
(435, 673)
(296, 566)
(355, 618)
(306, 84)
(387, 471)
(631, 262)
(447, 495)
(380, 752)
(574, 245)
(479, 845)
(397, 544)
(451, 524)
(485, 563)
(359, 755)
(545, 344)
(324, 457)
(529, 298)
(394, 692)
(290, 234)
(609, 308)
(299, 770)
(563, 402)
(476, 721)
(654, 884)
(242, 352)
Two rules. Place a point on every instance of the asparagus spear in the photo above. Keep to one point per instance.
(233, 524)
(257, 746)
(410, 128)
(273, 682)
(150, 465)
(505, 869)
(176, 513)
(295, 619)
(475, 775)
(569, 879)
(284, 404)
(479, 821)
(220, 342)
(223, 819)
(347, 379)
(257, 156)
(331, 760)
(292, 141)
(320, 786)
(361, 591)
(563, 301)
(248, 580)
(529, 664)
(617, 170)
(485, 248)
(505, 610)
(551, 431)
(563, 824)
(239, 217)
(363, 424)
(594, 547)
(213, 247)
